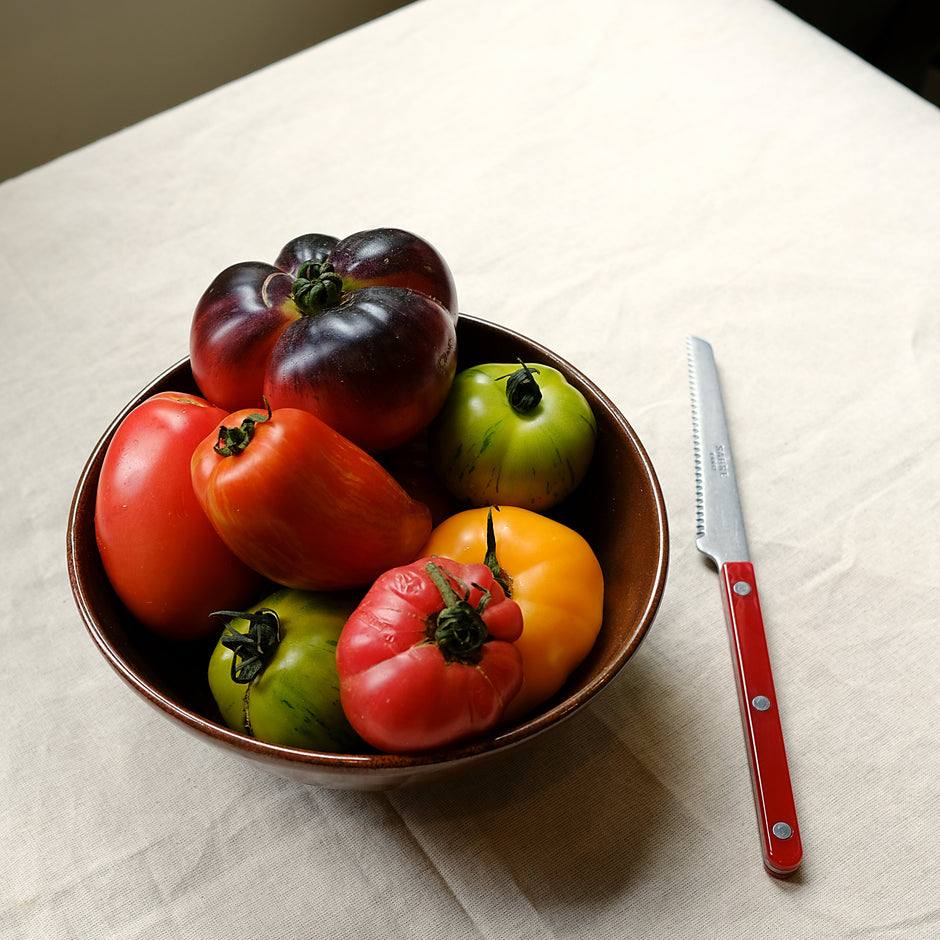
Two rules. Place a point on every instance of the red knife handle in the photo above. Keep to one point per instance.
(770, 776)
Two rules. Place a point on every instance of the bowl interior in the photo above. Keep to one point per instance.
(618, 508)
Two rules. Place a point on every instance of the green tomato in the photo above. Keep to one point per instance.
(513, 435)
(273, 671)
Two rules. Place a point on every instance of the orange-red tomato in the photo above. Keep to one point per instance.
(301, 504)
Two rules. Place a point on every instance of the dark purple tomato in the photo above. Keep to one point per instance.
(361, 332)
(350, 366)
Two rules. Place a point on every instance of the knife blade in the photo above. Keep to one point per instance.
(720, 535)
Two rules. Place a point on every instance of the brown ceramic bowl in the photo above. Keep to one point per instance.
(619, 509)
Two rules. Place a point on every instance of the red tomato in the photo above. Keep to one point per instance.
(427, 659)
(162, 556)
(303, 505)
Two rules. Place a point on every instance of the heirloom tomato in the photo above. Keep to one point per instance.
(163, 558)
(513, 435)
(273, 671)
(359, 331)
(301, 504)
(551, 572)
(427, 658)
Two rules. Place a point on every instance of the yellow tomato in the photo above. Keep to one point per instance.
(552, 574)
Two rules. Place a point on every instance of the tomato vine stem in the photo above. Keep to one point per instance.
(500, 575)
(458, 629)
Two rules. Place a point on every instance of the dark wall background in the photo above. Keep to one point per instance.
(900, 37)
(71, 72)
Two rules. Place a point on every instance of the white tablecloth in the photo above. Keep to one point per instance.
(605, 176)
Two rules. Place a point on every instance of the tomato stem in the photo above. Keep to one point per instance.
(501, 577)
(522, 390)
(232, 441)
(458, 629)
(316, 286)
(253, 649)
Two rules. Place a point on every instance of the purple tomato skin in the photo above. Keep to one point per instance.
(359, 331)
(236, 324)
(303, 248)
(395, 258)
(348, 365)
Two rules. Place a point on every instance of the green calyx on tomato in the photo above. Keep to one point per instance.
(458, 629)
(232, 441)
(253, 649)
(522, 389)
(316, 286)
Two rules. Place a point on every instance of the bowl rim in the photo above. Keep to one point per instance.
(379, 762)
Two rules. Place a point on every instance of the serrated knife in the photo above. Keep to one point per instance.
(720, 535)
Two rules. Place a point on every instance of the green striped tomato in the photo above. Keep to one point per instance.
(513, 435)
(273, 671)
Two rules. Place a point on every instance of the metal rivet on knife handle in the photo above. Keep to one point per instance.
(761, 702)
(742, 588)
(782, 831)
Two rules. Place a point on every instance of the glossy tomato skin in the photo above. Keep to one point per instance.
(555, 578)
(348, 365)
(395, 258)
(388, 289)
(305, 506)
(237, 322)
(489, 451)
(161, 554)
(309, 247)
(401, 689)
(294, 700)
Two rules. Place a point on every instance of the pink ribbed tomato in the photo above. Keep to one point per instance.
(427, 659)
